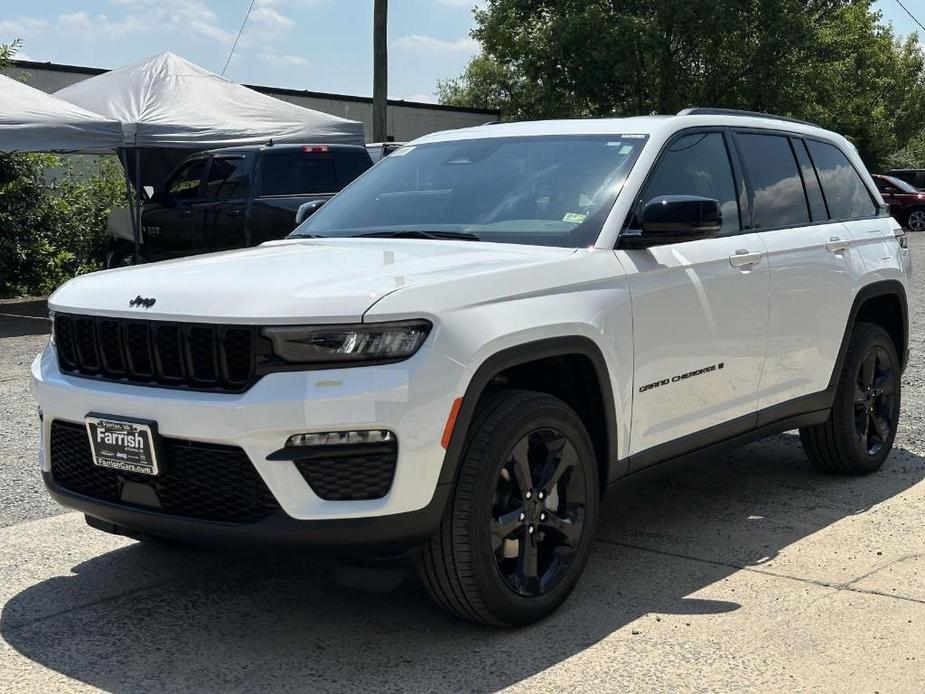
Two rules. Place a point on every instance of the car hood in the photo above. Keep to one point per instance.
(317, 280)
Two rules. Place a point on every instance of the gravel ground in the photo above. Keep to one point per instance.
(23, 333)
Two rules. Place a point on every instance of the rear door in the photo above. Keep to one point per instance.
(814, 262)
(173, 227)
(699, 311)
(224, 200)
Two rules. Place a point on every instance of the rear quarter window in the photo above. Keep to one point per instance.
(297, 173)
(845, 193)
(349, 165)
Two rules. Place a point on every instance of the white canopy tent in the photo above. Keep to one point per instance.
(168, 107)
(166, 101)
(33, 121)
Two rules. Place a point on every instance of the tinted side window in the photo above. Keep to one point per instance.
(845, 192)
(907, 176)
(777, 189)
(697, 164)
(297, 173)
(883, 186)
(229, 177)
(348, 166)
(185, 184)
(817, 208)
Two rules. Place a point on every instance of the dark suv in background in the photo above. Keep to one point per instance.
(237, 197)
(907, 203)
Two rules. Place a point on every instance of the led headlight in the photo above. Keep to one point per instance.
(347, 343)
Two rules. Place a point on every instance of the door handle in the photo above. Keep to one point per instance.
(185, 213)
(744, 258)
(234, 212)
(836, 245)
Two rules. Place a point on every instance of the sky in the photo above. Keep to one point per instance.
(319, 45)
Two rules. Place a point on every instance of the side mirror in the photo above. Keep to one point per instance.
(675, 219)
(307, 209)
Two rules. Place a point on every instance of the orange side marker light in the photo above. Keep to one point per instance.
(450, 423)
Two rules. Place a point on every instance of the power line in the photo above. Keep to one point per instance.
(238, 37)
(921, 26)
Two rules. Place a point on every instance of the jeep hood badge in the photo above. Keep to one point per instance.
(142, 302)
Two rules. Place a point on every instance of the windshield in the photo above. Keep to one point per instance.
(541, 190)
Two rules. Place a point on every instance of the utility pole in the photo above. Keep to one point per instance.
(380, 70)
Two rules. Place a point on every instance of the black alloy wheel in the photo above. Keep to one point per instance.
(874, 397)
(518, 527)
(538, 512)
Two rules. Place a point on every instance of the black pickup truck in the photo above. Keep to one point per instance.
(236, 197)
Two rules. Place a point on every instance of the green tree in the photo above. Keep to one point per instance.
(831, 61)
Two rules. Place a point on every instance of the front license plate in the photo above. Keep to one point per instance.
(122, 444)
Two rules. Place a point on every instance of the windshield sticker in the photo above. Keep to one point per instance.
(626, 149)
(574, 217)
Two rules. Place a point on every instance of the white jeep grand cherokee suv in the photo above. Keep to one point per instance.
(468, 346)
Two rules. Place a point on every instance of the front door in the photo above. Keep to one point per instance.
(172, 226)
(224, 201)
(700, 311)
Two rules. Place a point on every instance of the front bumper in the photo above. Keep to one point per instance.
(354, 537)
(410, 398)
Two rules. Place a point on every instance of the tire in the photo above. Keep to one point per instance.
(122, 256)
(858, 436)
(522, 568)
(915, 219)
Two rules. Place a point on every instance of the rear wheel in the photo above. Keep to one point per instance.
(915, 220)
(858, 435)
(519, 527)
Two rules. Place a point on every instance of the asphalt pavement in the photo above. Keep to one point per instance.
(748, 571)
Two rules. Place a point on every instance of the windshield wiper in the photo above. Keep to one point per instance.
(421, 234)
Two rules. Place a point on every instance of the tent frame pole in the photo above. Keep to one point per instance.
(132, 199)
(136, 227)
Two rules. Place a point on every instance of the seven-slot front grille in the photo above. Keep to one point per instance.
(190, 355)
(204, 481)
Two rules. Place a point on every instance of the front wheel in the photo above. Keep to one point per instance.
(519, 527)
(858, 436)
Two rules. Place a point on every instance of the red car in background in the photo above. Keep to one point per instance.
(907, 203)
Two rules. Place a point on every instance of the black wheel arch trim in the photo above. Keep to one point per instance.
(866, 293)
(523, 354)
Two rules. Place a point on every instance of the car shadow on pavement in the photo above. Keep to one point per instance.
(227, 622)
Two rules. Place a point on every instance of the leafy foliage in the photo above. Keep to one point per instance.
(52, 230)
(52, 221)
(830, 61)
(912, 156)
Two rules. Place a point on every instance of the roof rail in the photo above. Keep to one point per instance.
(738, 112)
